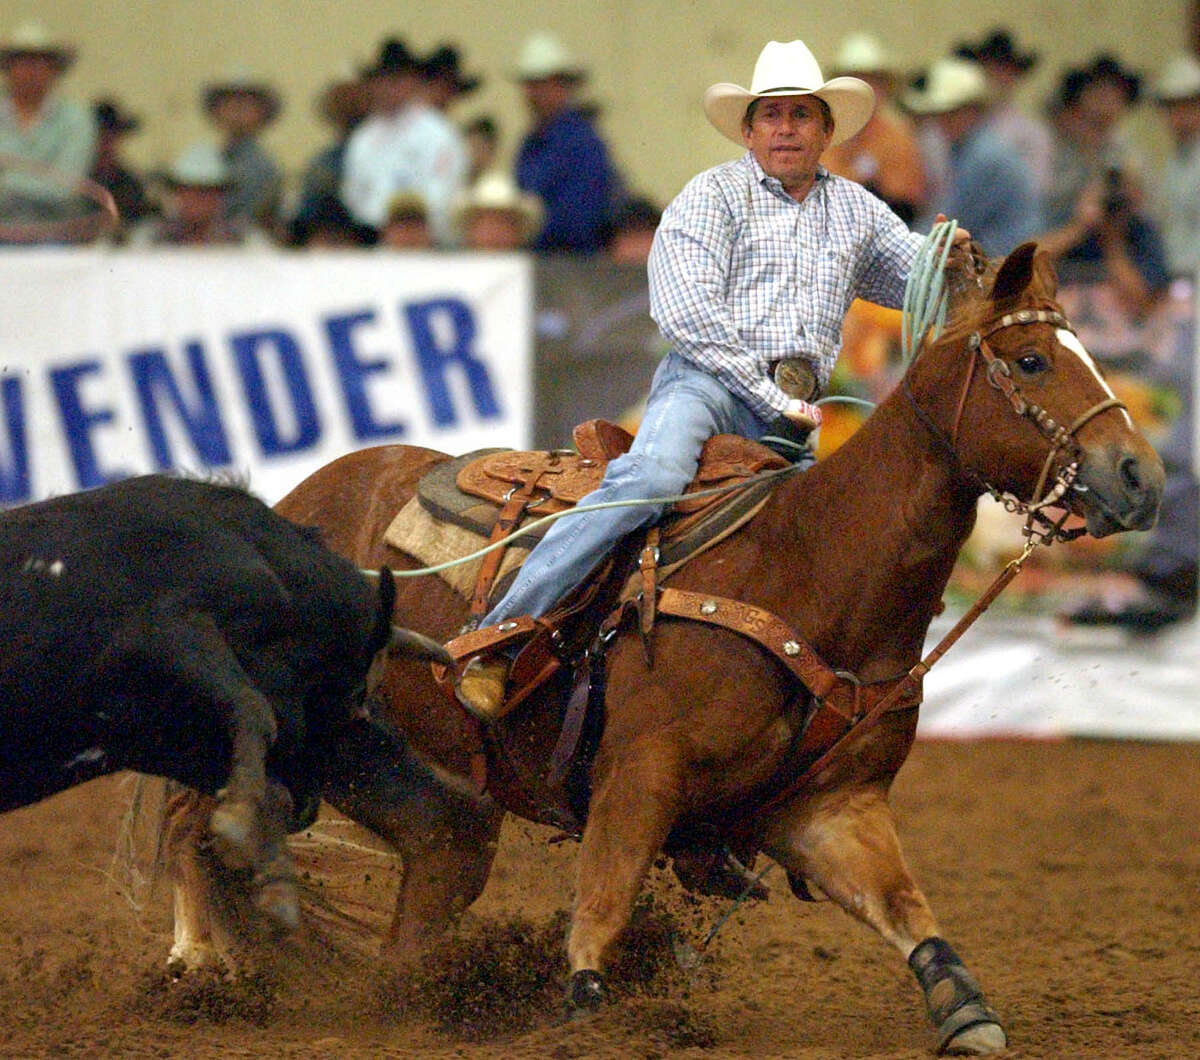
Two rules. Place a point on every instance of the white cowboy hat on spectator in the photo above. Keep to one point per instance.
(199, 166)
(951, 83)
(862, 53)
(1178, 80)
(790, 70)
(544, 55)
(32, 38)
(496, 192)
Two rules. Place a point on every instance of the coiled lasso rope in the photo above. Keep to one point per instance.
(925, 292)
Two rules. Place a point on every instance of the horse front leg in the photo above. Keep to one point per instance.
(634, 806)
(845, 842)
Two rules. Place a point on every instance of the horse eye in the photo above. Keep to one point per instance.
(1032, 363)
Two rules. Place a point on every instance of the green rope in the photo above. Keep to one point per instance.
(579, 509)
(925, 292)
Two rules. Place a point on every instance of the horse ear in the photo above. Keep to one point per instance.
(1015, 274)
(1043, 272)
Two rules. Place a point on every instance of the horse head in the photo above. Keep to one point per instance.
(1010, 389)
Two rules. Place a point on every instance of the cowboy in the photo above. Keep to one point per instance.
(988, 187)
(884, 156)
(752, 269)
(110, 169)
(496, 215)
(241, 107)
(40, 127)
(404, 145)
(1005, 67)
(1177, 92)
(444, 81)
(562, 158)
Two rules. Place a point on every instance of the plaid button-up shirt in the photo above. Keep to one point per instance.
(742, 275)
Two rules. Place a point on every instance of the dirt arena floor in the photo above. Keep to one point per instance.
(1066, 874)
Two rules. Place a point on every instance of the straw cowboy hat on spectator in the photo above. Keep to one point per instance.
(199, 166)
(544, 55)
(864, 55)
(1178, 80)
(32, 38)
(790, 70)
(495, 192)
(240, 83)
(951, 83)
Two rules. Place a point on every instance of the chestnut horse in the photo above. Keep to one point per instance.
(853, 555)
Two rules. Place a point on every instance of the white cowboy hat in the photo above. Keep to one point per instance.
(496, 191)
(790, 70)
(951, 83)
(544, 55)
(1179, 79)
(199, 166)
(32, 38)
(862, 53)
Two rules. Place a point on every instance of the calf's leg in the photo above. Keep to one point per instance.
(845, 842)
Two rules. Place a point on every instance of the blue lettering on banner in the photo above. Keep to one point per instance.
(155, 384)
(79, 421)
(435, 360)
(15, 485)
(248, 349)
(352, 374)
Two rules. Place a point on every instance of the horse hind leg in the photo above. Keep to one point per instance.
(846, 844)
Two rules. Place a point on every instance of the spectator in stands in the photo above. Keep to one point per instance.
(884, 157)
(342, 104)
(240, 107)
(326, 223)
(562, 159)
(1097, 224)
(42, 128)
(990, 191)
(483, 140)
(110, 170)
(630, 235)
(1005, 68)
(496, 215)
(443, 82)
(1177, 92)
(406, 225)
(403, 146)
(194, 213)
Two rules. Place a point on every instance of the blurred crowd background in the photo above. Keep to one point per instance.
(563, 131)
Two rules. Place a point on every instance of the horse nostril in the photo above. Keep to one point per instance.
(1128, 470)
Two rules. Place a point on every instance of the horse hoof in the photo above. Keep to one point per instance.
(972, 1031)
(234, 828)
(585, 993)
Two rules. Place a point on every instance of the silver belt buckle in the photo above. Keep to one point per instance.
(795, 378)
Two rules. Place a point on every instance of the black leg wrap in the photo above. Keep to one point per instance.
(954, 999)
(585, 992)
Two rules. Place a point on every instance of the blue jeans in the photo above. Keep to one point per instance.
(686, 407)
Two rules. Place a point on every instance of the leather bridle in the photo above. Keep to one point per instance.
(1061, 438)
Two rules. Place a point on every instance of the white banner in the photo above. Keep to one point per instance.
(269, 364)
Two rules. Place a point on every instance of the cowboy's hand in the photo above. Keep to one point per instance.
(961, 236)
(803, 414)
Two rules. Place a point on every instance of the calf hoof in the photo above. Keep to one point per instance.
(235, 833)
(585, 994)
(971, 1031)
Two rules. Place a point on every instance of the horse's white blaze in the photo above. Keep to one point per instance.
(1071, 341)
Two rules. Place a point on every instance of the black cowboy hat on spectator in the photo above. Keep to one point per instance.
(111, 118)
(1108, 67)
(443, 63)
(32, 38)
(394, 58)
(240, 83)
(998, 47)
